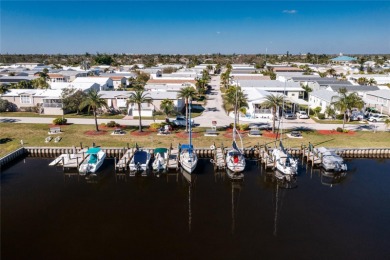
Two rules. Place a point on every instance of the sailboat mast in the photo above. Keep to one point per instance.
(189, 122)
(235, 116)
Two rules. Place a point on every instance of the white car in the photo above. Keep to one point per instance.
(378, 118)
(303, 115)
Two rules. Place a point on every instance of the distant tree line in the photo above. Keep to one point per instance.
(190, 60)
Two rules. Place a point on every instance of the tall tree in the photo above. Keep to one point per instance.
(94, 101)
(235, 100)
(167, 106)
(139, 97)
(40, 83)
(274, 102)
(344, 102)
(72, 99)
(307, 90)
(187, 93)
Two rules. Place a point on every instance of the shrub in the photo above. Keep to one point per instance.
(155, 126)
(243, 127)
(112, 124)
(345, 131)
(311, 112)
(339, 129)
(340, 117)
(321, 116)
(60, 121)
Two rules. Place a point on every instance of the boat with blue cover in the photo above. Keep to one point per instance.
(139, 162)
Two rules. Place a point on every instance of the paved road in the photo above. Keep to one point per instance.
(214, 101)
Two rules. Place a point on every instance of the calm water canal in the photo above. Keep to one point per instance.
(48, 215)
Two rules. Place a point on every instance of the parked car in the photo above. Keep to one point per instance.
(356, 116)
(181, 121)
(303, 115)
(290, 116)
(296, 134)
(378, 118)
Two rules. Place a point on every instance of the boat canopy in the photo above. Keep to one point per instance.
(187, 146)
(160, 150)
(140, 157)
(93, 150)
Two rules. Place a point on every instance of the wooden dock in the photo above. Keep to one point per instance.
(219, 159)
(69, 161)
(265, 157)
(124, 161)
(173, 159)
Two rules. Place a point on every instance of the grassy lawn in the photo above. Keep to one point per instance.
(329, 121)
(35, 134)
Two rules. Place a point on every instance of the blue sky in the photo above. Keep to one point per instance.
(194, 27)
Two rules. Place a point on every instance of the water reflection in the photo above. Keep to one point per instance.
(332, 178)
(190, 179)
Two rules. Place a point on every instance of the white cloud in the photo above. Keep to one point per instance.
(218, 32)
(290, 11)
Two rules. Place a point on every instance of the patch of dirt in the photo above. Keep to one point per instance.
(334, 132)
(270, 134)
(101, 132)
(229, 134)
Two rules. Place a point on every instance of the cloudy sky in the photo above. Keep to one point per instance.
(194, 27)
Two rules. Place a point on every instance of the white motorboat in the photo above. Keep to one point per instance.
(139, 162)
(160, 162)
(93, 161)
(330, 160)
(284, 162)
(188, 158)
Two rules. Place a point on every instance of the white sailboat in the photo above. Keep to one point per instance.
(93, 161)
(188, 158)
(284, 162)
(235, 159)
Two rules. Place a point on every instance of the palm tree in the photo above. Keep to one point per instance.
(235, 100)
(307, 90)
(40, 83)
(331, 72)
(362, 81)
(94, 101)
(329, 111)
(371, 82)
(167, 106)
(344, 102)
(139, 97)
(273, 101)
(4, 89)
(187, 93)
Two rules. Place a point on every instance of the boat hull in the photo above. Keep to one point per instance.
(87, 167)
(188, 162)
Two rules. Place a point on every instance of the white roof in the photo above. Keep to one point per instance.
(382, 93)
(98, 80)
(77, 85)
(324, 94)
(155, 95)
(272, 85)
(46, 93)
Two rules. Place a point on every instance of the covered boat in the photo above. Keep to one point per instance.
(139, 162)
(160, 162)
(95, 159)
(330, 160)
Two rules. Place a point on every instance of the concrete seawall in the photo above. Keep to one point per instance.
(112, 152)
